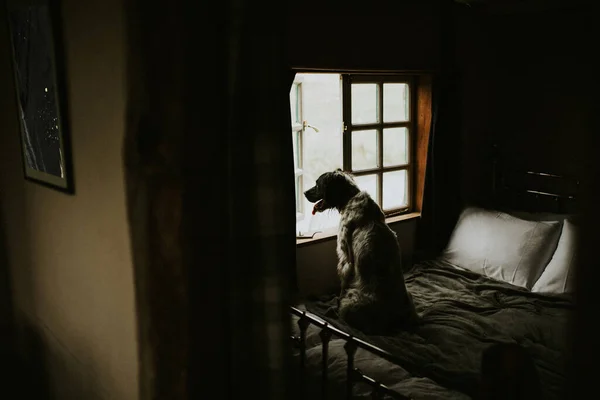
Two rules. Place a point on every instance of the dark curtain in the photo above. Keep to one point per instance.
(241, 188)
(441, 198)
(211, 197)
(584, 332)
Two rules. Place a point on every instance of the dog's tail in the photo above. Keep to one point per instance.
(366, 312)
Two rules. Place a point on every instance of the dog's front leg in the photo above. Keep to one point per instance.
(346, 281)
(345, 284)
(346, 278)
(345, 257)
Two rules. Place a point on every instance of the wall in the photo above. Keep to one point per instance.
(69, 256)
(475, 74)
(379, 35)
(316, 263)
(544, 56)
(525, 85)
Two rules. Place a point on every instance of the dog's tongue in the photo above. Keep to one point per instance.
(317, 207)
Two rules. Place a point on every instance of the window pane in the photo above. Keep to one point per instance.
(364, 103)
(368, 183)
(295, 103)
(395, 102)
(395, 189)
(364, 149)
(395, 145)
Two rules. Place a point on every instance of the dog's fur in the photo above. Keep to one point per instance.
(373, 294)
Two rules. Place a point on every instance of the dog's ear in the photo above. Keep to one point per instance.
(337, 188)
(339, 170)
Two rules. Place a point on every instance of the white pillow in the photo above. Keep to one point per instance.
(502, 246)
(557, 278)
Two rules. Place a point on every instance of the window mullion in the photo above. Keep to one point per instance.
(347, 122)
(380, 144)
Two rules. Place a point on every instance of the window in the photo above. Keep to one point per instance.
(361, 123)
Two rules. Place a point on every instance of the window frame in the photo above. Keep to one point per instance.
(348, 127)
(297, 137)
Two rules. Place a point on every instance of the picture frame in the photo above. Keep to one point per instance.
(38, 62)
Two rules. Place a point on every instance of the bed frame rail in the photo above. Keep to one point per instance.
(531, 188)
(353, 374)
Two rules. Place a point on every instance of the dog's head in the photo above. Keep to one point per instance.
(332, 190)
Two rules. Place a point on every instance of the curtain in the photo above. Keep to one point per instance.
(209, 169)
(441, 199)
(255, 188)
(426, 233)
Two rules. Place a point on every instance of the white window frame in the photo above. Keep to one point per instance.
(297, 136)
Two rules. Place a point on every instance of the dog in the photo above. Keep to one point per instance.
(373, 296)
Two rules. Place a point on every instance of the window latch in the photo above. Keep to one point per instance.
(307, 125)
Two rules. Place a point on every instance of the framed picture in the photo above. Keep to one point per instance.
(38, 65)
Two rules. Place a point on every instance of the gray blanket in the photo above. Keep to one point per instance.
(462, 314)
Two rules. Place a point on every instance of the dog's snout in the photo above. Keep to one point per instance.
(312, 195)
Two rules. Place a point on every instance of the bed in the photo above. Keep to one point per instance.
(505, 277)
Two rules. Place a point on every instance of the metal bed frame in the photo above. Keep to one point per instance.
(353, 374)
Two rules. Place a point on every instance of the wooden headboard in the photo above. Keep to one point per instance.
(529, 189)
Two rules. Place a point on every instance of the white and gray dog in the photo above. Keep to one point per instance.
(373, 295)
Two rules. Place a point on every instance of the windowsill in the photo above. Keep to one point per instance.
(331, 234)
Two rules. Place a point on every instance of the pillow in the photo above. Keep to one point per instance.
(502, 246)
(557, 278)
